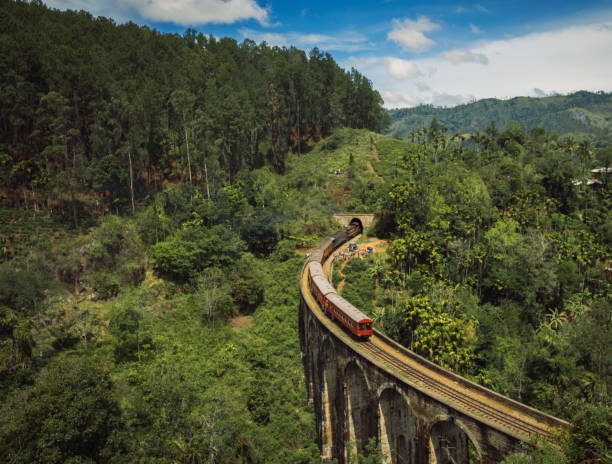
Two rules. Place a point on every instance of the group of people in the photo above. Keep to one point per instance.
(344, 255)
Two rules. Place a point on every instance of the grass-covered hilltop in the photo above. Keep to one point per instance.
(158, 194)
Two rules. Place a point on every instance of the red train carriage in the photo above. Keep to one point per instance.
(332, 304)
(350, 317)
(319, 285)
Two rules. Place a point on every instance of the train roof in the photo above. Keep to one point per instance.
(317, 253)
(315, 269)
(348, 308)
(316, 272)
(323, 285)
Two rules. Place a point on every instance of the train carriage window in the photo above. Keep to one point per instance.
(361, 326)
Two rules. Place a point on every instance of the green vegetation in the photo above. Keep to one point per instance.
(156, 208)
(498, 268)
(152, 371)
(581, 114)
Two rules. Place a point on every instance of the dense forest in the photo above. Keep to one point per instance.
(581, 114)
(91, 111)
(159, 193)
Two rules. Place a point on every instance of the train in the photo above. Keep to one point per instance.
(332, 304)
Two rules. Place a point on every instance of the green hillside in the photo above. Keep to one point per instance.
(156, 204)
(582, 114)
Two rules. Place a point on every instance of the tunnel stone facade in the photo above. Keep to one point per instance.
(345, 219)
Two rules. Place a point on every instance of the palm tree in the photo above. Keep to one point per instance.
(376, 270)
(388, 280)
(458, 140)
(378, 316)
(568, 144)
(585, 153)
(555, 319)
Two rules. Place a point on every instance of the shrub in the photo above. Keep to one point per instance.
(106, 286)
(193, 249)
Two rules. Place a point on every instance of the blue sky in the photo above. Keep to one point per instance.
(435, 52)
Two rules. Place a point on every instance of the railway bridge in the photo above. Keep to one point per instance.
(415, 410)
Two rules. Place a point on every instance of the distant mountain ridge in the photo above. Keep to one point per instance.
(582, 114)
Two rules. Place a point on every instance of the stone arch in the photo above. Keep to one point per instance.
(358, 400)
(328, 378)
(450, 442)
(396, 426)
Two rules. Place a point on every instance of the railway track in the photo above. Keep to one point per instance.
(458, 399)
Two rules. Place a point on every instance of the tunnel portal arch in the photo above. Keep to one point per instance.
(356, 219)
(366, 220)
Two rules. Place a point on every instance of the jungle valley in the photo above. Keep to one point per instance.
(159, 192)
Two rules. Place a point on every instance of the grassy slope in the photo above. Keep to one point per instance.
(313, 173)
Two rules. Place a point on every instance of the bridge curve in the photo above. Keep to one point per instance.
(417, 411)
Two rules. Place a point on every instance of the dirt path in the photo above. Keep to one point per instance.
(379, 246)
(371, 169)
(343, 281)
(241, 322)
(375, 153)
(377, 158)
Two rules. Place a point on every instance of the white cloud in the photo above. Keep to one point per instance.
(446, 99)
(193, 12)
(459, 10)
(183, 12)
(481, 8)
(539, 92)
(464, 56)
(564, 60)
(271, 38)
(410, 34)
(475, 29)
(399, 99)
(402, 69)
(347, 41)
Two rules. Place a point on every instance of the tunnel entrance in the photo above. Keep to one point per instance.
(357, 220)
